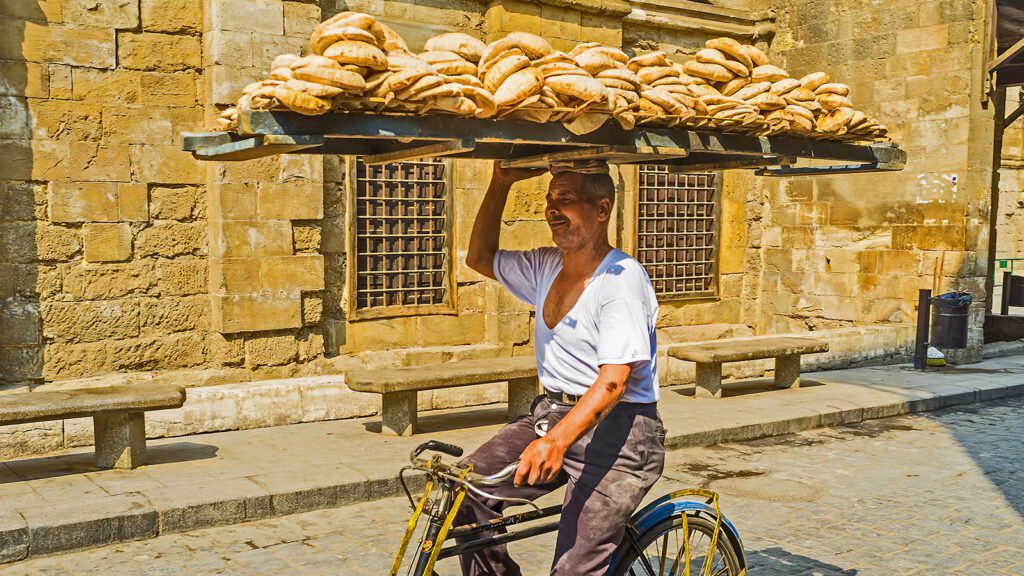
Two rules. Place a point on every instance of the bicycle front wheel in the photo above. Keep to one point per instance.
(667, 549)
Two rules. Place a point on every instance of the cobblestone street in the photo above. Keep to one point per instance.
(941, 493)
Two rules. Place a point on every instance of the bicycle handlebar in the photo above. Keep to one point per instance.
(455, 451)
(438, 446)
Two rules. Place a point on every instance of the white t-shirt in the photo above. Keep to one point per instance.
(611, 323)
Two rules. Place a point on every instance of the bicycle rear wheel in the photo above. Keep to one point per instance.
(663, 546)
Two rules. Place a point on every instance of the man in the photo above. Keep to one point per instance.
(594, 335)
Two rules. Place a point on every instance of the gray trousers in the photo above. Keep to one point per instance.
(608, 472)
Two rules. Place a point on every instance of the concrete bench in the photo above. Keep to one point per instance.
(398, 386)
(118, 415)
(710, 356)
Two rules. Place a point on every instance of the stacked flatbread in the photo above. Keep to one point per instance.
(356, 63)
(666, 96)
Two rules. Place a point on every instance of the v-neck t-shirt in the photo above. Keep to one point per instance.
(612, 322)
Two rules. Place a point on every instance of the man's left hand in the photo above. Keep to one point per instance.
(540, 463)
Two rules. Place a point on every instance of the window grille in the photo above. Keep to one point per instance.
(677, 231)
(402, 246)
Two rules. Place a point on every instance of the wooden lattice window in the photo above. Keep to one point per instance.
(400, 244)
(677, 231)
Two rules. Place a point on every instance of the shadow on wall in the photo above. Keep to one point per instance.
(21, 349)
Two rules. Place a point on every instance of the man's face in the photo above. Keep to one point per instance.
(575, 221)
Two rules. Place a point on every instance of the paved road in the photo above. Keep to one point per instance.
(941, 493)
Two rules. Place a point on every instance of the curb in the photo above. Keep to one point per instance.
(150, 513)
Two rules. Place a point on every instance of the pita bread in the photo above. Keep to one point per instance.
(301, 102)
(585, 88)
(783, 86)
(425, 83)
(713, 72)
(284, 61)
(657, 58)
(757, 56)
(767, 101)
(464, 45)
(712, 56)
(313, 88)
(732, 48)
(502, 69)
(752, 90)
(814, 80)
(801, 111)
(358, 53)
(831, 101)
(518, 86)
(455, 67)
(392, 41)
(833, 88)
(732, 86)
(348, 81)
(337, 33)
(594, 61)
(532, 45)
(834, 120)
(623, 74)
(459, 105)
(586, 123)
(282, 74)
(649, 74)
(768, 72)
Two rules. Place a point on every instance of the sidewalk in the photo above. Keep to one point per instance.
(59, 501)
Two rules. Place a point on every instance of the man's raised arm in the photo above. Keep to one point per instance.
(483, 243)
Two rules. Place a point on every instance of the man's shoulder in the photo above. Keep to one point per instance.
(625, 275)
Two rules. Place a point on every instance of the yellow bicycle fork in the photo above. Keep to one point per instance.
(433, 546)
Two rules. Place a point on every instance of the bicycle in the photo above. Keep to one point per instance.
(673, 517)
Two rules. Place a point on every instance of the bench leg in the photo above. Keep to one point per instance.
(787, 371)
(120, 439)
(709, 380)
(521, 393)
(398, 413)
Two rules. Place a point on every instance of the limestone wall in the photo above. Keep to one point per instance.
(1010, 227)
(856, 248)
(119, 253)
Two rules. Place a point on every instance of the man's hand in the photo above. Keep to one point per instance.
(483, 242)
(540, 463)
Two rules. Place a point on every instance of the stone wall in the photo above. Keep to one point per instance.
(123, 259)
(1010, 227)
(103, 235)
(855, 249)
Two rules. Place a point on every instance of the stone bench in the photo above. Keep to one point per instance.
(398, 386)
(710, 356)
(118, 414)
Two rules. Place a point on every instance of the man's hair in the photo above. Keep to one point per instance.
(598, 186)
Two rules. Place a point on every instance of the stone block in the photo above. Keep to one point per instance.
(263, 16)
(225, 350)
(271, 350)
(109, 281)
(158, 164)
(312, 311)
(224, 82)
(300, 19)
(227, 47)
(171, 89)
(450, 330)
(266, 47)
(93, 162)
(108, 87)
(59, 81)
(172, 203)
(170, 315)
(63, 120)
(291, 201)
(19, 323)
(181, 277)
(141, 126)
(381, 334)
(255, 312)
(217, 503)
(235, 275)
(83, 202)
(171, 15)
(306, 237)
(248, 238)
(102, 13)
(57, 43)
(120, 439)
(13, 537)
(292, 273)
(170, 239)
(77, 525)
(107, 242)
(233, 201)
(51, 244)
(82, 322)
(922, 39)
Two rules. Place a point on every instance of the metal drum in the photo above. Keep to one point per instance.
(949, 323)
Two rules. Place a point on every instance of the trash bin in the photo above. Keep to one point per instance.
(949, 320)
(1016, 289)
